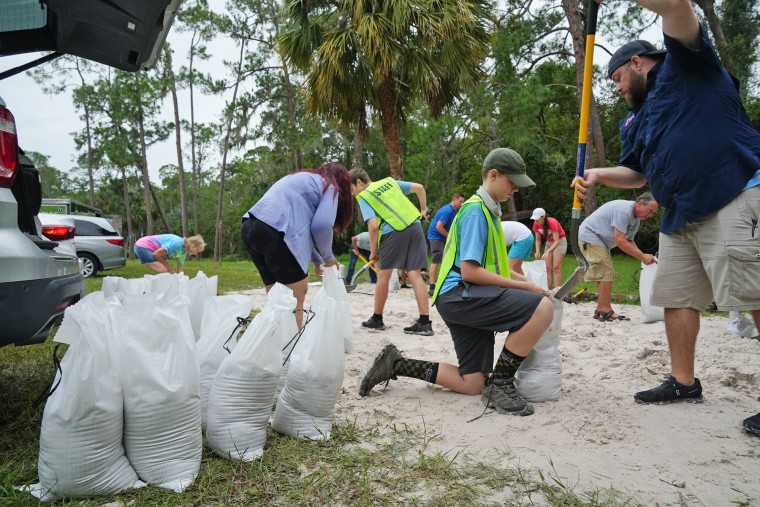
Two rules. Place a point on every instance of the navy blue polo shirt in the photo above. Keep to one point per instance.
(691, 137)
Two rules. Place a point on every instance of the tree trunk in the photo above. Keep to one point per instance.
(144, 160)
(297, 153)
(130, 241)
(360, 133)
(388, 120)
(160, 211)
(708, 7)
(225, 150)
(195, 169)
(88, 134)
(178, 133)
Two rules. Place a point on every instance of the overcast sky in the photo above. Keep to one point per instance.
(45, 123)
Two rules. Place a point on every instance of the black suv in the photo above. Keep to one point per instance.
(37, 283)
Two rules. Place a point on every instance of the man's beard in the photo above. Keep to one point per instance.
(637, 91)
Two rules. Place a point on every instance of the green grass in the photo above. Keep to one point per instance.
(626, 283)
(360, 464)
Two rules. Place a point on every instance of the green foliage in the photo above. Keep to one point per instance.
(524, 95)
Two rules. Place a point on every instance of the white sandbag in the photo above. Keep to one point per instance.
(242, 394)
(306, 405)
(166, 285)
(536, 273)
(159, 375)
(110, 285)
(219, 329)
(540, 375)
(649, 313)
(289, 336)
(394, 284)
(116, 286)
(81, 452)
(198, 289)
(336, 289)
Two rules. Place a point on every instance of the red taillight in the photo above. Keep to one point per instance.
(8, 148)
(58, 232)
(117, 242)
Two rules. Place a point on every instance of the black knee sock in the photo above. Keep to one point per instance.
(506, 365)
(415, 368)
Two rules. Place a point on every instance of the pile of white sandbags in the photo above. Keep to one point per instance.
(125, 408)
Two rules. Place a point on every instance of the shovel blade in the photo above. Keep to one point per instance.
(571, 282)
(349, 288)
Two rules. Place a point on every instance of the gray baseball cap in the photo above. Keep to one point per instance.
(629, 50)
(508, 162)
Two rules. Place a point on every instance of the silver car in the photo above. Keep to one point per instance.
(37, 282)
(97, 242)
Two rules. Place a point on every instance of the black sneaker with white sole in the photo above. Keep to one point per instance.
(373, 323)
(504, 398)
(420, 328)
(752, 424)
(671, 391)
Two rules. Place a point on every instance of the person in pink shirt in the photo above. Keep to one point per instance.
(156, 251)
(556, 245)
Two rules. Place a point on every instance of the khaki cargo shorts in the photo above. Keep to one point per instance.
(600, 262)
(717, 258)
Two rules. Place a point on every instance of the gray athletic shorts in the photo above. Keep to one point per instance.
(405, 249)
(474, 313)
(716, 258)
(436, 251)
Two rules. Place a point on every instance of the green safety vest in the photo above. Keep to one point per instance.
(494, 258)
(390, 204)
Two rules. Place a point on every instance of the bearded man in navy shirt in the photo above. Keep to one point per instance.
(689, 137)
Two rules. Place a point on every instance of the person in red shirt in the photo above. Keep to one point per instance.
(556, 245)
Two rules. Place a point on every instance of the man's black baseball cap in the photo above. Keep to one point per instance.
(628, 51)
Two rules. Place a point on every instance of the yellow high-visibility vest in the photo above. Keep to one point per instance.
(495, 256)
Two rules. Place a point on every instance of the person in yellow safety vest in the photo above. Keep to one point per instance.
(477, 297)
(396, 240)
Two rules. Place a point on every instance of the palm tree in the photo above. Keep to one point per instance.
(386, 55)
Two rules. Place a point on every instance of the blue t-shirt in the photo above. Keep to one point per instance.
(368, 212)
(472, 238)
(446, 215)
(691, 137)
(174, 246)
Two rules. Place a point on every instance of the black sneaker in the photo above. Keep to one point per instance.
(671, 391)
(504, 398)
(419, 328)
(404, 286)
(374, 323)
(381, 368)
(752, 424)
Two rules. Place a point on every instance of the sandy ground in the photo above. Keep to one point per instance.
(595, 437)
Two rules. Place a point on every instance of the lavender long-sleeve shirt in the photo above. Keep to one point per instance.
(298, 206)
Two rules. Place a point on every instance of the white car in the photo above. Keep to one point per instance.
(97, 243)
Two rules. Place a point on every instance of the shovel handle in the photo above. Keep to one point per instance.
(588, 71)
(365, 261)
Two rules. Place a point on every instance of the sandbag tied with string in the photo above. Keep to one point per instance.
(306, 405)
(159, 377)
(333, 284)
(224, 318)
(81, 451)
(243, 390)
